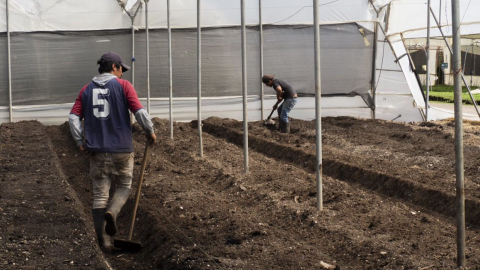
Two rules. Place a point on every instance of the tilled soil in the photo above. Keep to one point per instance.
(41, 225)
(388, 197)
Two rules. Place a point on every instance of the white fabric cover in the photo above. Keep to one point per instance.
(74, 15)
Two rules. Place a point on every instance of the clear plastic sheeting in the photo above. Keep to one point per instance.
(392, 83)
(397, 108)
(385, 57)
(50, 67)
(417, 15)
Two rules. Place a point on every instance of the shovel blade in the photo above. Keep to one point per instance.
(269, 122)
(127, 245)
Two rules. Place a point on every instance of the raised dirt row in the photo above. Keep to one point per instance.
(413, 163)
(42, 225)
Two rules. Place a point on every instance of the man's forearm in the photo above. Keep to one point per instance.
(76, 128)
(143, 119)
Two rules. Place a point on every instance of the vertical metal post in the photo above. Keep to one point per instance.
(10, 102)
(459, 168)
(170, 80)
(374, 70)
(260, 25)
(132, 116)
(318, 113)
(199, 77)
(244, 87)
(148, 56)
(133, 51)
(428, 61)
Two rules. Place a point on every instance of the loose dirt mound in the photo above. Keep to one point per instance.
(388, 191)
(41, 222)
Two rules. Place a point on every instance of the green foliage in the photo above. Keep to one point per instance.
(448, 97)
(445, 88)
(445, 93)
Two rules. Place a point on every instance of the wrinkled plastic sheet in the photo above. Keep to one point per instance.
(92, 15)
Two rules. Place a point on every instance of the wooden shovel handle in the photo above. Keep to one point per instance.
(270, 114)
(139, 188)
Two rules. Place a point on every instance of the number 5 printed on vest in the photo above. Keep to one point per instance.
(99, 101)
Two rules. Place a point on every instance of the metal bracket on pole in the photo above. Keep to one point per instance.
(132, 16)
(451, 52)
(121, 3)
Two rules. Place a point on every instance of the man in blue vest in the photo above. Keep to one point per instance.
(106, 137)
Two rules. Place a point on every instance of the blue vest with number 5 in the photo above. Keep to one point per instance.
(106, 118)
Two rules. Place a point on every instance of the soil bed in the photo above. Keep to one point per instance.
(386, 186)
(42, 225)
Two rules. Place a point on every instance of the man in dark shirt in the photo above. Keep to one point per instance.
(286, 94)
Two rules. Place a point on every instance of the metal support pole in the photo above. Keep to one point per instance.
(148, 56)
(318, 113)
(461, 73)
(133, 51)
(374, 70)
(132, 116)
(260, 25)
(244, 88)
(170, 80)
(459, 168)
(428, 61)
(199, 77)
(10, 102)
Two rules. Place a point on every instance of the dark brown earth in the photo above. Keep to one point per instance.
(388, 197)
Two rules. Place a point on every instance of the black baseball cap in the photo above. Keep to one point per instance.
(115, 57)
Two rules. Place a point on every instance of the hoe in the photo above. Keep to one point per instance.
(129, 245)
(269, 122)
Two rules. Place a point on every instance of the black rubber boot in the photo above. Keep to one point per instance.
(281, 125)
(99, 224)
(118, 200)
(287, 128)
(283, 128)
